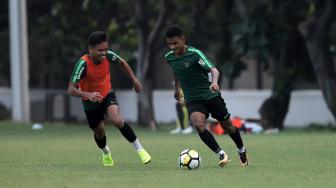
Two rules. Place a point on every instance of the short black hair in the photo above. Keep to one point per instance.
(174, 31)
(97, 37)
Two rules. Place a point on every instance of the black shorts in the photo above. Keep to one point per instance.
(215, 106)
(94, 117)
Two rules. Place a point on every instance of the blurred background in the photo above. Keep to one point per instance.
(276, 58)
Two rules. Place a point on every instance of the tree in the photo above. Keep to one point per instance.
(272, 38)
(149, 37)
(297, 48)
(287, 57)
(62, 27)
(316, 30)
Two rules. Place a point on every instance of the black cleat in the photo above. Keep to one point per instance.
(243, 158)
(223, 160)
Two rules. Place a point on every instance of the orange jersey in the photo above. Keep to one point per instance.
(94, 77)
(97, 78)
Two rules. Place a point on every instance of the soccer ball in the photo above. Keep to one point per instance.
(189, 159)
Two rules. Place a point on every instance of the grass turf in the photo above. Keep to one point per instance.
(66, 156)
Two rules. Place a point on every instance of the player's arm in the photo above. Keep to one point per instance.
(127, 69)
(73, 89)
(207, 65)
(214, 83)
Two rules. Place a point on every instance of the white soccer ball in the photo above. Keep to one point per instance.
(189, 159)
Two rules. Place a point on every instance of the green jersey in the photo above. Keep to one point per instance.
(191, 69)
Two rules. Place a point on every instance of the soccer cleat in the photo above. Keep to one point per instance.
(187, 130)
(107, 160)
(243, 158)
(223, 159)
(176, 131)
(144, 156)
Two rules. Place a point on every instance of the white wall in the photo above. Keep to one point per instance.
(306, 106)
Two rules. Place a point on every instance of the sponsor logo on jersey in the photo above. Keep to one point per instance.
(114, 58)
(201, 62)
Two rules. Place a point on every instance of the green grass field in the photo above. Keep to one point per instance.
(66, 156)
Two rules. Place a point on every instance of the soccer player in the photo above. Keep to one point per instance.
(90, 80)
(201, 93)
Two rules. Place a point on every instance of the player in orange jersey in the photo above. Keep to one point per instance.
(91, 80)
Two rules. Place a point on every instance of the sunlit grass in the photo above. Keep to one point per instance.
(66, 156)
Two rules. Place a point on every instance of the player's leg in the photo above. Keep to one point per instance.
(96, 122)
(198, 120)
(113, 112)
(187, 127)
(218, 110)
(198, 114)
(179, 121)
(235, 136)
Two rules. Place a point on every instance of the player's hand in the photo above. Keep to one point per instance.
(95, 97)
(177, 95)
(214, 87)
(181, 101)
(137, 86)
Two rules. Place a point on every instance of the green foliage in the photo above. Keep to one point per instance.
(66, 25)
(58, 31)
(234, 69)
(251, 35)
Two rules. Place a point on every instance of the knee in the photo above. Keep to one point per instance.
(118, 122)
(228, 127)
(198, 121)
(99, 132)
(199, 126)
(231, 129)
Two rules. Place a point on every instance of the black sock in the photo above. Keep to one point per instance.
(209, 140)
(237, 138)
(128, 132)
(101, 142)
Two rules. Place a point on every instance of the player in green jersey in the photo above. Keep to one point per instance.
(201, 92)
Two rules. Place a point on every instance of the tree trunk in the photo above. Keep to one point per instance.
(316, 31)
(274, 109)
(148, 39)
(145, 104)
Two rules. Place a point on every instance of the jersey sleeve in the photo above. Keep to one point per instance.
(203, 61)
(79, 71)
(167, 57)
(112, 57)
